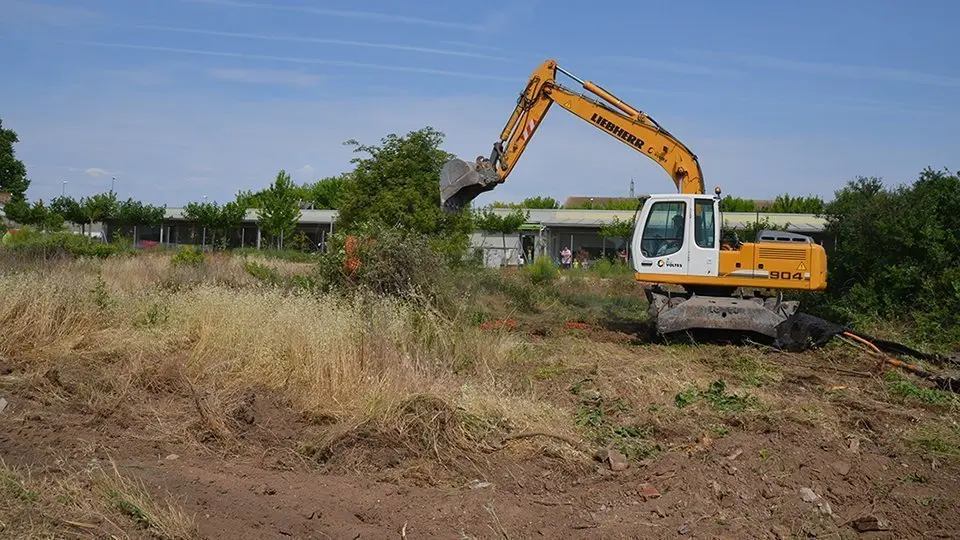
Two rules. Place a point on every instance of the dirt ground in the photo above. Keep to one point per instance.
(834, 459)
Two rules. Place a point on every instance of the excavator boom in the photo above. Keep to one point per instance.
(461, 182)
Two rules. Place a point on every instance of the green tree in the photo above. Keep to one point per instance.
(533, 203)
(736, 204)
(70, 209)
(618, 229)
(785, 204)
(279, 209)
(100, 207)
(13, 173)
(489, 221)
(205, 215)
(896, 254)
(397, 185)
(326, 193)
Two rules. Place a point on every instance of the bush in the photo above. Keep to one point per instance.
(385, 261)
(188, 256)
(542, 271)
(32, 243)
(895, 257)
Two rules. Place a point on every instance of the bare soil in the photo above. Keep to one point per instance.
(748, 476)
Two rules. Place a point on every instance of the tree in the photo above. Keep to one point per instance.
(736, 204)
(621, 229)
(896, 253)
(13, 173)
(279, 209)
(398, 185)
(100, 207)
(489, 221)
(539, 202)
(326, 193)
(70, 209)
(205, 215)
(785, 204)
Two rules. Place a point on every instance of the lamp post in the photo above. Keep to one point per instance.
(203, 242)
(63, 188)
(113, 181)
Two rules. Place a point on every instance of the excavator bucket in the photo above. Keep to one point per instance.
(462, 182)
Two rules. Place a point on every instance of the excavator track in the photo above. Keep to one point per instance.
(672, 312)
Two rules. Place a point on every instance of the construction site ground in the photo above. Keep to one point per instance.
(710, 441)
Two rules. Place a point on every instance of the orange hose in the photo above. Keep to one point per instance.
(865, 342)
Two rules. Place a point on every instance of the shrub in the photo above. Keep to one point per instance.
(32, 243)
(542, 271)
(188, 256)
(895, 257)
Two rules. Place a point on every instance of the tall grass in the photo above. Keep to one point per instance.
(111, 328)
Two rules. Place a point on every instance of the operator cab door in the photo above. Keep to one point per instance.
(704, 253)
(660, 243)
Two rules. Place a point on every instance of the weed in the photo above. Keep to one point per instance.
(188, 256)
(716, 396)
(913, 478)
(936, 440)
(905, 389)
(542, 271)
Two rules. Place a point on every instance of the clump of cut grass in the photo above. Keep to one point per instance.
(91, 501)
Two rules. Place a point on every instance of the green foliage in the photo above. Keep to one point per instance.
(70, 209)
(279, 209)
(618, 229)
(13, 173)
(736, 204)
(785, 204)
(397, 185)
(539, 203)
(489, 221)
(327, 192)
(896, 257)
(624, 203)
(31, 242)
(214, 218)
(37, 215)
(188, 256)
(132, 213)
(541, 271)
(100, 207)
(392, 262)
(716, 395)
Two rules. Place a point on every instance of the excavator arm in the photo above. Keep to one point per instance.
(462, 182)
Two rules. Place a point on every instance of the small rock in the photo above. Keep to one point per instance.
(172, 457)
(808, 495)
(735, 454)
(3, 404)
(601, 454)
(480, 485)
(870, 523)
(648, 492)
(618, 462)
(854, 445)
(684, 529)
(842, 467)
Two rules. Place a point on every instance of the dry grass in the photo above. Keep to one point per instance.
(92, 501)
(99, 334)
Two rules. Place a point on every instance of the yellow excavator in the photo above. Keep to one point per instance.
(698, 277)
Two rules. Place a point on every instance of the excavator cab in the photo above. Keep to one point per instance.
(678, 235)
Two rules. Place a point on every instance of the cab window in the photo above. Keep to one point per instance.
(703, 221)
(663, 232)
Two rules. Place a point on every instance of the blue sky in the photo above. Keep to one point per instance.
(184, 98)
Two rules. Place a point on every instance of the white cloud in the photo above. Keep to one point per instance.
(323, 41)
(265, 76)
(299, 60)
(95, 172)
(388, 18)
(830, 69)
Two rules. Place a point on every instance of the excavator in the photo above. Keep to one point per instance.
(696, 276)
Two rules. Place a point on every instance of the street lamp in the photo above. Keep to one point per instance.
(63, 188)
(113, 181)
